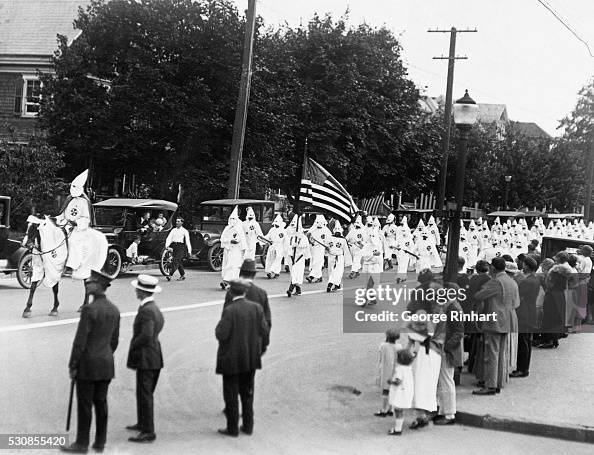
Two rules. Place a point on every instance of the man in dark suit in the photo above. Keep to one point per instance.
(254, 293)
(243, 337)
(145, 356)
(528, 288)
(501, 297)
(91, 362)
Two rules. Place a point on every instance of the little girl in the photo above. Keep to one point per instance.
(386, 364)
(401, 389)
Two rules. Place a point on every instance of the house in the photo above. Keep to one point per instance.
(28, 40)
(531, 130)
(494, 113)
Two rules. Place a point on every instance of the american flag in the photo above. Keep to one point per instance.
(320, 189)
(375, 205)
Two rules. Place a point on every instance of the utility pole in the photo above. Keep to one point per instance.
(242, 102)
(590, 177)
(448, 109)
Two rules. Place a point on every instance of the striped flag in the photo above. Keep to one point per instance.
(320, 189)
(375, 206)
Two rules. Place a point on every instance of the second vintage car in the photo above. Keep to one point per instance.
(212, 219)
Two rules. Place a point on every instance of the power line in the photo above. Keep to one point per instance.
(567, 26)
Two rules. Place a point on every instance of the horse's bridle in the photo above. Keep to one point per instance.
(65, 241)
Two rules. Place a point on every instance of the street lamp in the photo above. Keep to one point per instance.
(465, 116)
(507, 180)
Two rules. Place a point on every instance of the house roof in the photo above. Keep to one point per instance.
(489, 113)
(531, 130)
(29, 27)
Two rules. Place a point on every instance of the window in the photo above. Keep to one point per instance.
(27, 96)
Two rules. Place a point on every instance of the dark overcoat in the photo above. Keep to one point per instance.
(95, 341)
(243, 336)
(145, 348)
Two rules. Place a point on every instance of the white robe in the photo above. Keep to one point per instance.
(252, 231)
(319, 238)
(232, 252)
(299, 252)
(274, 256)
(77, 211)
(339, 257)
(357, 238)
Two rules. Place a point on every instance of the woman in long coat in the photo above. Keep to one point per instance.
(553, 320)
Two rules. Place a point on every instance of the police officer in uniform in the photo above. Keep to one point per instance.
(91, 362)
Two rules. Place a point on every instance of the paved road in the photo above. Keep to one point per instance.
(304, 400)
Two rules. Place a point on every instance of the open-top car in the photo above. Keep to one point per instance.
(552, 245)
(123, 220)
(13, 257)
(212, 219)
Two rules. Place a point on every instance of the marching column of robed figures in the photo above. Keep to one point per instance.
(365, 248)
(242, 332)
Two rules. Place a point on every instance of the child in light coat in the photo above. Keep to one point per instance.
(401, 389)
(386, 364)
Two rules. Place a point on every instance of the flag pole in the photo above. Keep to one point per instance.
(297, 208)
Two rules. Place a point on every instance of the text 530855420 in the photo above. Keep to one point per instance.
(32, 441)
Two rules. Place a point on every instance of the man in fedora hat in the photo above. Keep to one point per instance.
(254, 293)
(145, 355)
(242, 333)
(91, 362)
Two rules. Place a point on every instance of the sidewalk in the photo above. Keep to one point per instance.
(556, 400)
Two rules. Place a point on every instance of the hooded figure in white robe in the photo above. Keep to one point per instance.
(473, 245)
(276, 249)
(339, 257)
(318, 235)
(76, 218)
(299, 252)
(492, 249)
(253, 232)
(433, 230)
(234, 244)
(427, 252)
(289, 231)
(404, 246)
(463, 247)
(373, 253)
(390, 233)
(357, 238)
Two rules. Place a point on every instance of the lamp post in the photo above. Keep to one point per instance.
(465, 116)
(507, 180)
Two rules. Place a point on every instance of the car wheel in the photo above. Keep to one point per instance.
(113, 263)
(25, 270)
(215, 257)
(166, 263)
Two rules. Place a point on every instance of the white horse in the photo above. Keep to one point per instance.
(49, 245)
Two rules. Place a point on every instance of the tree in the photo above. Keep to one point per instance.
(346, 91)
(28, 174)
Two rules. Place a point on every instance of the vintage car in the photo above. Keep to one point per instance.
(120, 221)
(212, 219)
(13, 257)
(551, 245)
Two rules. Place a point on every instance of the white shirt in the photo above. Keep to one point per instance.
(179, 235)
(147, 299)
(132, 250)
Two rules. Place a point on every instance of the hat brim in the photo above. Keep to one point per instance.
(138, 285)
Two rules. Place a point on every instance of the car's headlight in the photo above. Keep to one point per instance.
(206, 237)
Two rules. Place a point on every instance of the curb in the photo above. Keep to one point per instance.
(533, 428)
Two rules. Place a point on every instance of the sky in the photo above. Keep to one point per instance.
(521, 56)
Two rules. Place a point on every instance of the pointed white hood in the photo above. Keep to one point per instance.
(77, 187)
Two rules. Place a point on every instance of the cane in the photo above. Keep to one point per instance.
(70, 405)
